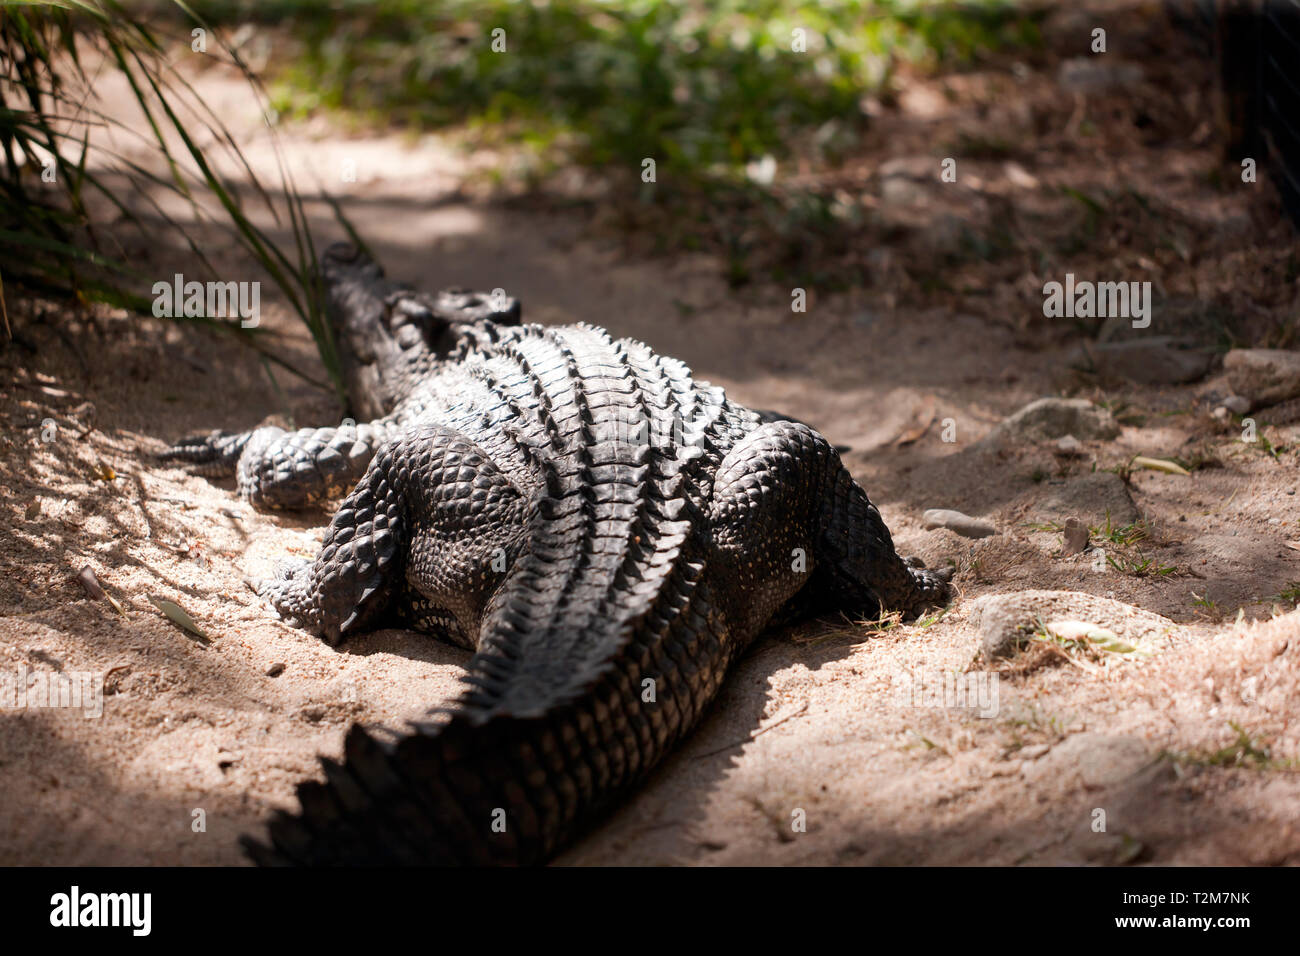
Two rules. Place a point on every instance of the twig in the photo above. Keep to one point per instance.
(757, 733)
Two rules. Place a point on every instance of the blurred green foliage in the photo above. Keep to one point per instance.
(702, 86)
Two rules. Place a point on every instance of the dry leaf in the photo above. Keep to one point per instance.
(1160, 464)
(922, 420)
(179, 616)
(1093, 633)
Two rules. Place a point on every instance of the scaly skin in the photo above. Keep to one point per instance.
(607, 533)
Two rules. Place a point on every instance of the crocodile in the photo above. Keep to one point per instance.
(604, 531)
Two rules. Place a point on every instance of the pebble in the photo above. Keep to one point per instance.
(1075, 537)
(1069, 446)
(1236, 404)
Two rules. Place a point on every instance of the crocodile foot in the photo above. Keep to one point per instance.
(286, 592)
(214, 455)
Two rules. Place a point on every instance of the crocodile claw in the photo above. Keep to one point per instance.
(214, 455)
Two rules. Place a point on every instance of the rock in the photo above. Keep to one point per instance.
(906, 180)
(902, 191)
(1019, 177)
(1095, 760)
(1005, 622)
(1264, 376)
(1090, 498)
(1191, 322)
(1092, 74)
(1155, 360)
(959, 523)
(1076, 537)
(1069, 447)
(1236, 404)
(1050, 418)
(918, 167)
(1004, 629)
(275, 670)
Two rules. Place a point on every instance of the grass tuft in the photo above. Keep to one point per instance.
(51, 57)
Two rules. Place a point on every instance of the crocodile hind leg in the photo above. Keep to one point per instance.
(789, 518)
(433, 513)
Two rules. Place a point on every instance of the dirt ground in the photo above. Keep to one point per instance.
(1184, 751)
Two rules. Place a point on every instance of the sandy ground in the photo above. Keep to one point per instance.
(819, 749)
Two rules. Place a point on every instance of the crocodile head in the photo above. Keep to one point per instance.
(389, 336)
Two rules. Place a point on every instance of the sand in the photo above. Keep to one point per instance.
(812, 753)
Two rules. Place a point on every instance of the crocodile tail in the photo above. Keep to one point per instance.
(501, 791)
(515, 772)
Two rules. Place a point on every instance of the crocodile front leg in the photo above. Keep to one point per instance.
(279, 470)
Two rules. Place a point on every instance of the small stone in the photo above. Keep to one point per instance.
(1075, 537)
(1004, 629)
(275, 670)
(1222, 413)
(1069, 446)
(1019, 177)
(1236, 404)
(958, 523)
(1264, 376)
